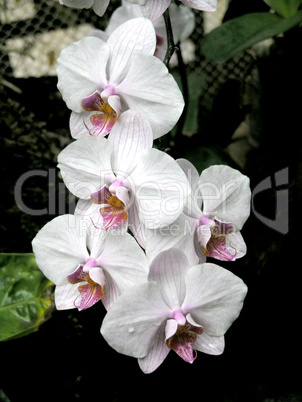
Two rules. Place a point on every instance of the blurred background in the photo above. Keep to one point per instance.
(245, 112)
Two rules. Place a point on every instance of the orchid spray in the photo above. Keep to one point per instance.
(145, 224)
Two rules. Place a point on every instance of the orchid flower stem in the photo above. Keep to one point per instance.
(185, 89)
(171, 46)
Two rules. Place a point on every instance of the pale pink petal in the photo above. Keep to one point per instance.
(66, 295)
(78, 3)
(212, 345)
(132, 323)
(153, 9)
(121, 15)
(80, 124)
(168, 269)
(214, 297)
(60, 246)
(84, 165)
(124, 261)
(193, 205)
(161, 188)
(136, 226)
(203, 234)
(149, 89)
(226, 194)
(180, 234)
(205, 5)
(97, 275)
(156, 354)
(134, 35)
(129, 137)
(82, 70)
(100, 6)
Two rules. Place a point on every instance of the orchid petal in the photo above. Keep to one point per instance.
(100, 6)
(149, 89)
(161, 188)
(203, 234)
(97, 275)
(90, 294)
(124, 261)
(214, 297)
(78, 3)
(80, 124)
(180, 234)
(132, 323)
(129, 137)
(156, 354)
(168, 269)
(59, 247)
(65, 296)
(136, 226)
(204, 5)
(212, 345)
(135, 35)
(226, 194)
(121, 15)
(84, 164)
(154, 9)
(82, 70)
(193, 205)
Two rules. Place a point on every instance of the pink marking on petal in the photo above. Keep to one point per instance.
(183, 340)
(90, 294)
(92, 102)
(112, 217)
(102, 123)
(218, 246)
(103, 196)
(77, 276)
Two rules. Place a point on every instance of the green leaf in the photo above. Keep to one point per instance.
(25, 296)
(239, 34)
(196, 82)
(286, 8)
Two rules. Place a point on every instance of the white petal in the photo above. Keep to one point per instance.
(168, 269)
(150, 89)
(136, 226)
(156, 354)
(121, 15)
(100, 6)
(80, 124)
(205, 5)
(214, 297)
(154, 9)
(134, 35)
(193, 205)
(60, 246)
(226, 194)
(212, 345)
(161, 188)
(124, 261)
(129, 136)
(132, 324)
(82, 70)
(66, 296)
(84, 165)
(180, 234)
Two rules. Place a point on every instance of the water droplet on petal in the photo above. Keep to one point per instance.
(130, 329)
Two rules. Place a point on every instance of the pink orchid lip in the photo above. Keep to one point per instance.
(214, 239)
(183, 339)
(103, 121)
(92, 289)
